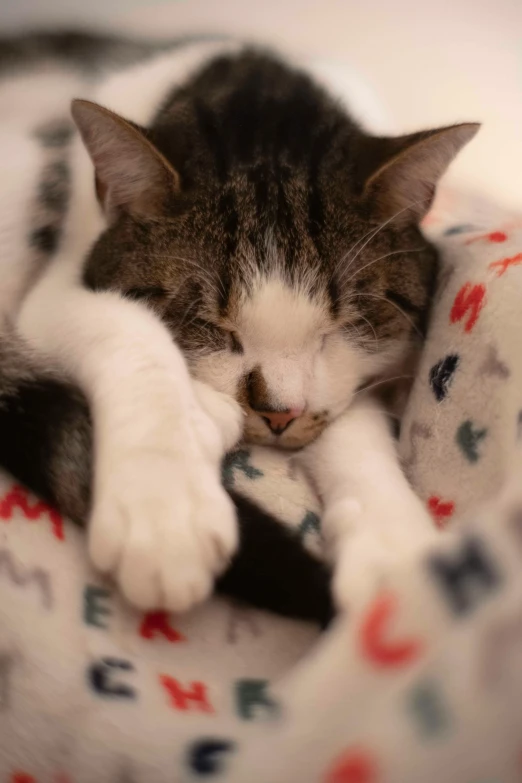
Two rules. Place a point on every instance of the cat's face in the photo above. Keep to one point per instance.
(291, 328)
(288, 264)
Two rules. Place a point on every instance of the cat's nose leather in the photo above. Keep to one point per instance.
(278, 421)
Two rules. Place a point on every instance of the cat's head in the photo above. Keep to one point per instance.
(279, 242)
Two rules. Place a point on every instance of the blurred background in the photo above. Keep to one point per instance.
(431, 62)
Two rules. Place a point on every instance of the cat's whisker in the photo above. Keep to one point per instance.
(373, 233)
(170, 257)
(375, 337)
(220, 287)
(381, 258)
(206, 282)
(353, 248)
(196, 267)
(185, 324)
(383, 381)
(173, 292)
(191, 262)
(397, 307)
(348, 326)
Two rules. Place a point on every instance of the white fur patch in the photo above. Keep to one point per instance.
(281, 319)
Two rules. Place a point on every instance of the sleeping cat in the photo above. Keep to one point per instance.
(239, 258)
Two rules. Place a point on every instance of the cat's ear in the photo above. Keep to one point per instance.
(131, 174)
(402, 173)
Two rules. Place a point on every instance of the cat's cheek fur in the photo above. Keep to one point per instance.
(338, 371)
(372, 519)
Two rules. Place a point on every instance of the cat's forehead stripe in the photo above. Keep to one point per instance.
(261, 272)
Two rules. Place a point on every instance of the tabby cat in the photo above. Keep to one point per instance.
(220, 251)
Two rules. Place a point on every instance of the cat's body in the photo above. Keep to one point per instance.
(279, 243)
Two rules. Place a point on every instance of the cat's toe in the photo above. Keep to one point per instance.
(107, 533)
(200, 545)
(137, 573)
(216, 525)
(360, 571)
(186, 580)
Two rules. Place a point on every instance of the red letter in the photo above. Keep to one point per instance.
(17, 498)
(494, 236)
(505, 263)
(181, 698)
(354, 767)
(468, 298)
(22, 777)
(374, 644)
(440, 511)
(158, 622)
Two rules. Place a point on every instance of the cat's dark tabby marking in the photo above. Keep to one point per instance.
(249, 195)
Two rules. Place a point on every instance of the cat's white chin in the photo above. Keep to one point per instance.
(298, 435)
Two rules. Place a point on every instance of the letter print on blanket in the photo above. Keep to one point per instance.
(460, 429)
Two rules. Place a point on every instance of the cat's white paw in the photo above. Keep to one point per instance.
(163, 526)
(367, 553)
(361, 566)
(225, 413)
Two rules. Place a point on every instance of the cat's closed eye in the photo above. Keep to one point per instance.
(235, 343)
(147, 292)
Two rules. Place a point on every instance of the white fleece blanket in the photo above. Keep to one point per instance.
(423, 684)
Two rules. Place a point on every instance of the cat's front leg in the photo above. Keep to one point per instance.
(371, 517)
(160, 521)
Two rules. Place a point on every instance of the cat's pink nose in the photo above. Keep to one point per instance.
(278, 421)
